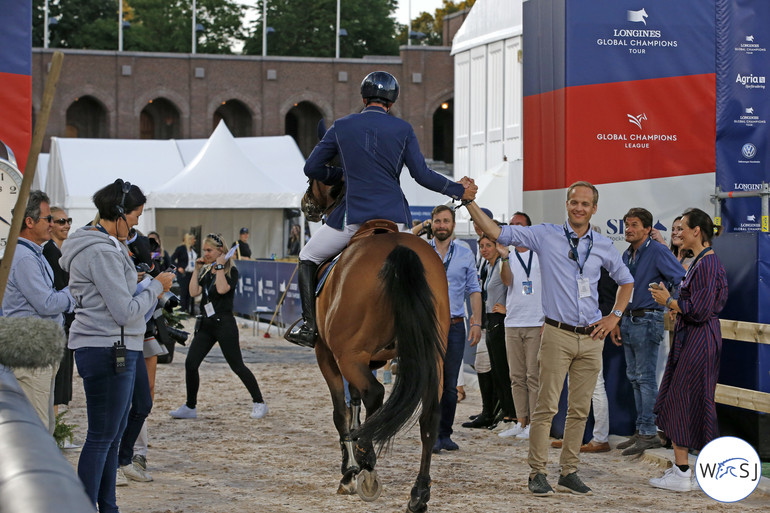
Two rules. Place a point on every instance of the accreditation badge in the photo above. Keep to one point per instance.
(584, 287)
(526, 288)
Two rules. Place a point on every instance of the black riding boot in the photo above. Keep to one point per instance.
(305, 334)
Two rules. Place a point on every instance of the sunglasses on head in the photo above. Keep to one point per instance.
(63, 221)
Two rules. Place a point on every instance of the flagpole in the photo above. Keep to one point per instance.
(337, 39)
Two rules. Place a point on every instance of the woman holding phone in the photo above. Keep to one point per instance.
(685, 407)
(215, 277)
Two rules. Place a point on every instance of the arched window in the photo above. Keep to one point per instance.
(159, 120)
(86, 117)
(237, 117)
(443, 132)
(301, 123)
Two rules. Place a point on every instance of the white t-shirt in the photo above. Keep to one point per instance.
(524, 310)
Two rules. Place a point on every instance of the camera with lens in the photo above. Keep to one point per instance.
(179, 336)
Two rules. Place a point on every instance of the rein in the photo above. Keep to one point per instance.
(314, 207)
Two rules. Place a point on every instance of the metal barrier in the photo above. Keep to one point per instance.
(34, 476)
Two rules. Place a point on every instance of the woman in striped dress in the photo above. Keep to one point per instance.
(685, 407)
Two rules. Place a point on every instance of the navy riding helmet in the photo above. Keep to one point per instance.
(380, 85)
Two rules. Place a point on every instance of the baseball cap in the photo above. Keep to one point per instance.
(244, 230)
(488, 212)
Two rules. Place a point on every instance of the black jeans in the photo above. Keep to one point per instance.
(499, 360)
(221, 328)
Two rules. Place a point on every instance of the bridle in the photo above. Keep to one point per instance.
(315, 202)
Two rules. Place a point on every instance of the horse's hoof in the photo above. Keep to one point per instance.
(347, 485)
(368, 486)
(421, 508)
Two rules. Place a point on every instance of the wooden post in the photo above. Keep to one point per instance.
(29, 172)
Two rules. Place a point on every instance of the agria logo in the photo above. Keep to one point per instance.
(728, 469)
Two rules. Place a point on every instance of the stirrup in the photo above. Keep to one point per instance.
(297, 335)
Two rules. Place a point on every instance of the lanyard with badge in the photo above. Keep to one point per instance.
(584, 286)
(526, 285)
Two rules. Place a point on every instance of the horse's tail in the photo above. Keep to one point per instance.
(418, 342)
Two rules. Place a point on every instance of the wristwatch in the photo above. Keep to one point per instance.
(10, 184)
(618, 313)
(219, 267)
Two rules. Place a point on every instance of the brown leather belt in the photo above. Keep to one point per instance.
(455, 320)
(580, 330)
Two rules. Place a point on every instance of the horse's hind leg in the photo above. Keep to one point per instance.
(429, 418)
(342, 418)
(372, 393)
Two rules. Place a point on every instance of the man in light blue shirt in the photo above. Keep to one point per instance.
(30, 293)
(463, 281)
(571, 257)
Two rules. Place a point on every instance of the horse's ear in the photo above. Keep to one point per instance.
(321, 128)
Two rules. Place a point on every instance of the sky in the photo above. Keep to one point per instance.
(418, 6)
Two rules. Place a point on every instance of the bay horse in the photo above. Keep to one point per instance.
(386, 297)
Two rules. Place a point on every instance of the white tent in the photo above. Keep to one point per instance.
(221, 190)
(79, 167)
(220, 184)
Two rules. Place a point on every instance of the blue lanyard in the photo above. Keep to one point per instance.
(449, 257)
(697, 258)
(573, 243)
(490, 274)
(528, 267)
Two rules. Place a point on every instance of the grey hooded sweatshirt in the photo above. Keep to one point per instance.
(103, 283)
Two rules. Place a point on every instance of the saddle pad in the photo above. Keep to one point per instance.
(325, 274)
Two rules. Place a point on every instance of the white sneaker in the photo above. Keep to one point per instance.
(259, 411)
(524, 435)
(514, 430)
(674, 479)
(135, 473)
(183, 412)
(120, 479)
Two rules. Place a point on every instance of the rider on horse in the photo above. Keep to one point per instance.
(372, 147)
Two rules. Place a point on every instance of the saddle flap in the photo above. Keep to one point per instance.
(374, 227)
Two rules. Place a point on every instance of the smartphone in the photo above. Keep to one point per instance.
(654, 285)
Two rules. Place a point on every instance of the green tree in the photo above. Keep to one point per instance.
(306, 28)
(432, 25)
(156, 25)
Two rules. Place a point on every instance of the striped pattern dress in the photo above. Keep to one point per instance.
(685, 407)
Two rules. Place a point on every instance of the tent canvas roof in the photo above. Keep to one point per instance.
(222, 176)
(489, 21)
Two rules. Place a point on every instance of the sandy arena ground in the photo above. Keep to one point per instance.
(289, 461)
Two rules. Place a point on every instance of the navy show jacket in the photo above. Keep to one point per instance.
(373, 147)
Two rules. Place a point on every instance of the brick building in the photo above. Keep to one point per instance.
(132, 95)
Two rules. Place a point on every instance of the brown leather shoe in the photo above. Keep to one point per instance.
(595, 447)
(556, 444)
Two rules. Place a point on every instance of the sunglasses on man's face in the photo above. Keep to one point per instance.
(63, 221)
(47, 218)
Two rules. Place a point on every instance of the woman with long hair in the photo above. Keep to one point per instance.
(215, 277)
(685, 407)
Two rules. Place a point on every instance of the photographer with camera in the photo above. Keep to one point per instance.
(156, 339)
(215, 278)
(107, 334)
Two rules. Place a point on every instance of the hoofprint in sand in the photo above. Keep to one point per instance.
(289, 461)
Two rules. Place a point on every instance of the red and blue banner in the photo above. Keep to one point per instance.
(617, 90)
(16, 77)
(743, 109)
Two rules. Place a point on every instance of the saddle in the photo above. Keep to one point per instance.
(368, 229)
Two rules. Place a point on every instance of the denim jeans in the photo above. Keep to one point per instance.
(452, 361)
(641, 340)
(141, 404)
(108, 399)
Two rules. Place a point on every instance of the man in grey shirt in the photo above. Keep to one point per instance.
(30, 293)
